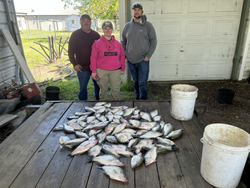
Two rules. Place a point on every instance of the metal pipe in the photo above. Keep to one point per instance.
(42, 46)
(39, 52)
(240, 39)
(63, 47)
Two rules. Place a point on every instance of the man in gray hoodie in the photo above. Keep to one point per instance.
(139, 43)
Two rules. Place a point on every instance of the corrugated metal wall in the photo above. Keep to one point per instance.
(9, 69)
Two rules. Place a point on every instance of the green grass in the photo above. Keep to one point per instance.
(42, 70)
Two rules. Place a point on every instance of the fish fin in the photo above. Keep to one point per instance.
(175, 148)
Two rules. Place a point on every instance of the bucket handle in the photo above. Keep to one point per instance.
(201, 140)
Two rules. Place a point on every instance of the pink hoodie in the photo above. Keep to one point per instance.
(107, 55)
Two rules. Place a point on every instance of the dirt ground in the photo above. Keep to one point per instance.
(208, 109)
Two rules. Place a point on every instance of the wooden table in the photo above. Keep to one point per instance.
(31, 155)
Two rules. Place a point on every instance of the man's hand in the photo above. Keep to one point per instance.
(93, 75)
(77, 68)
(122, 72)
(146, 59)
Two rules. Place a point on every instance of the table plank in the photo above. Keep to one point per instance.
(187, 156)
(195, 134)
(6, 118)
(25, 125)
(53, 160)
(146, 177)
(21, 153)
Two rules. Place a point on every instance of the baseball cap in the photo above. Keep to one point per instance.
(107, 24)
(137, 5)
(85, 16)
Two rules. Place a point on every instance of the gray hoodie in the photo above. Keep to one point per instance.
(138, 40)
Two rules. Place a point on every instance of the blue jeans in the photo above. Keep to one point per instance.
(139, 73)
(83, 78)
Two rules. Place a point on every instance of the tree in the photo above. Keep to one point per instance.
(103, 9)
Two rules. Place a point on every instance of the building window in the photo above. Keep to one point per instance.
(73, 21)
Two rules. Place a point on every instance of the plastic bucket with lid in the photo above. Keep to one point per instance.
(224, 154)
(52, 93)
(183, 98)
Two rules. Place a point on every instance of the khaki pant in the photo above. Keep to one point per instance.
(113, 78)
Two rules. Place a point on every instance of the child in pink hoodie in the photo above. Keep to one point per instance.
(108, 62)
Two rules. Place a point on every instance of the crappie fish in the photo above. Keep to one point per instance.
(94, 132)
(83, 147)
(165, 148)
(133, 142)
(136, 112)
(153, 113)
(68, 129)
(151, 134)
(165, 141)
(99, 125)
(115, 173)
(97, 115)
(121, 149)
(82, 118)
(102, 118)
(157, 127)
(145, 115)
(168, 128)
(110, 127)
(175, 134)
(162, 123)
(141, 132)
(75, 126)
(117, 116)
(136, 160)
(119, 128)
(150, 156)
(128, 111)
(82, 124)
(135, 123)
(107, 160)
(101, 110)
(142, 144)
(114, 110)
(128, 130)
(90, 118)
(109, 150)
(72, 117)
(147, 125)
(100, 103)
(80, 134)
(109, 116)
(89, 109)
(123, 137)
(122, 120)
(72, 121)
(157, 118)
(116, 120)
(119, 112)
(108, 105)
(58, 128)
(63, 139)
(83, 113)
(111, 139)
(75, 142)
(101, 137)
(94, 151)
(137, 116)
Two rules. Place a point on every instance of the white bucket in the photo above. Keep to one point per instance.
(224, 154)
(183, 98)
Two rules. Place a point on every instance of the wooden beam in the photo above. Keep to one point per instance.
(19, 58)
(6, 118)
